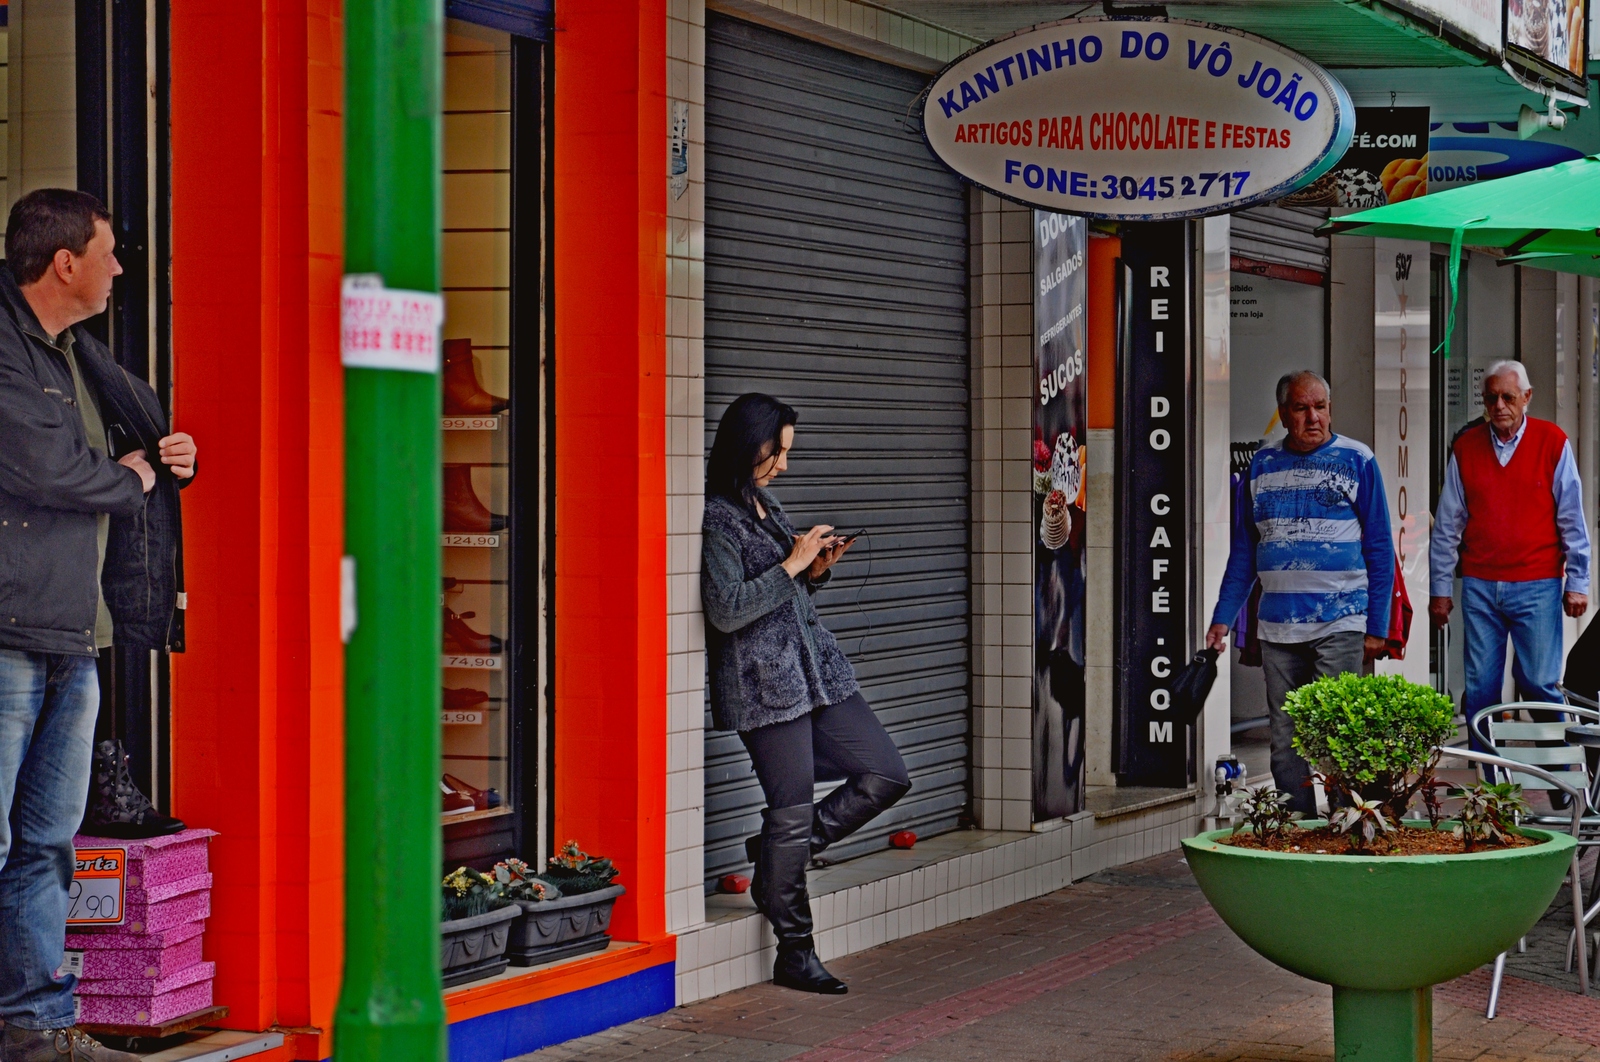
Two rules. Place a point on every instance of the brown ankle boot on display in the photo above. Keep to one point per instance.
(460, 638)
(464, 396)
(463, 512)
(461, 700)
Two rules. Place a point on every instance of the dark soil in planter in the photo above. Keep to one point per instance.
(1404, 841)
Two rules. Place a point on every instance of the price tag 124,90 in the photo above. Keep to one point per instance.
(96, 895)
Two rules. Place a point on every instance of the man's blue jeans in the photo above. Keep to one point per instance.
(1530, 612)
(48, 704)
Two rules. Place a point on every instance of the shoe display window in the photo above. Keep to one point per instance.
(490, 426)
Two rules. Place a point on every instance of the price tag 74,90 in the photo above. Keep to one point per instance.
(96, 895)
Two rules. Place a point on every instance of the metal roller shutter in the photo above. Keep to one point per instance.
(836, 279)
(1281, 235)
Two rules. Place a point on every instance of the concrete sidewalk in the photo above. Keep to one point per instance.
(1131, 964)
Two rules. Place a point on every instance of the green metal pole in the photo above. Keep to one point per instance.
(391, 1006)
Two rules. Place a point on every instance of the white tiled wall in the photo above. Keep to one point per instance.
(736, 952)
(1000, 260)
(686, 478)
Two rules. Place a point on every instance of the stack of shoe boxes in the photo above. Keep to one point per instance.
(148, 971)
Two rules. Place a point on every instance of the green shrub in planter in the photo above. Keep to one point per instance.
(1371, 736)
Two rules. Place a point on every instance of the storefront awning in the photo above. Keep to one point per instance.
(1333, 33)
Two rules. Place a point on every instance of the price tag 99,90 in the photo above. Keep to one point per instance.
(96, 895)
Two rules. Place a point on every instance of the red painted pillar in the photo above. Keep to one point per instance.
(257, 703)
(610, 653)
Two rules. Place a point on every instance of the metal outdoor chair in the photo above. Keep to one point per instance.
(1579, 700)
(1538, 777)
(1545, 744)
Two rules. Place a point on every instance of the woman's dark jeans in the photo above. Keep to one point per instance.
(834, 742)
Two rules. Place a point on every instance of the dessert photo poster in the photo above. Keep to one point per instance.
(1060, 462)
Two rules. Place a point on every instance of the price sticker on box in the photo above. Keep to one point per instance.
(99, 887)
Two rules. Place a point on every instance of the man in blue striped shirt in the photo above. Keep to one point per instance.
(1316, 536)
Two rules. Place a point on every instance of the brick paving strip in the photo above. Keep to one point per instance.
(1551, 1009)
(903, 1032)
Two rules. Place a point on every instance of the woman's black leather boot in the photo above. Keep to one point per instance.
(781, 872)
(850, 807)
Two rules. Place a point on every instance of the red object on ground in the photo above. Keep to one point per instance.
(733, 883)
(903, 839)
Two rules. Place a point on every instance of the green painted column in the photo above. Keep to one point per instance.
(391, 1005)
(1382, 1026)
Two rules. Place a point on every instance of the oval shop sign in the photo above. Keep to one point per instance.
(1137, 119)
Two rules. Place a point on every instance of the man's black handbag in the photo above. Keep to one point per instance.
(1192, 685)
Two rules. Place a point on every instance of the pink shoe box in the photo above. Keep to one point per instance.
(122, 964)
(102, 939)
(159, 908)
(143, 1010)
(148, 988)
(156, 861)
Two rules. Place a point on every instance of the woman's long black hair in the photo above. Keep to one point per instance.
(751, 431)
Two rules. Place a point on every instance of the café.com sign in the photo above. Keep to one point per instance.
(1137, 118)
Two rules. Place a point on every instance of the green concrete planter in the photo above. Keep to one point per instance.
(1382, 930)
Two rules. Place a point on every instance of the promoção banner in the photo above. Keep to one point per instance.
(1152, 496)
(1136, 118)
(1060, 475)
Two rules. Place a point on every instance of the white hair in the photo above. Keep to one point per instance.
(1510, 368)
(1290, 380)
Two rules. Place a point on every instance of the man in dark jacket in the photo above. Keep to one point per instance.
(79, 495)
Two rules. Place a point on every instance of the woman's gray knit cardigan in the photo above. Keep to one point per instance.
(771, 659)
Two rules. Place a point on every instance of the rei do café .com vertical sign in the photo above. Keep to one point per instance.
(1135, 120)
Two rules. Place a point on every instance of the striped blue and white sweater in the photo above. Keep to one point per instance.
(1316, 535)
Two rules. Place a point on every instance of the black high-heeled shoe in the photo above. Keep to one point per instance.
(801, 970)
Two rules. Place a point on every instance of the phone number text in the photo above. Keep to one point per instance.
(1114, 186)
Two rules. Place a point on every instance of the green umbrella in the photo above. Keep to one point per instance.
(1587, 264)
(1553, 211)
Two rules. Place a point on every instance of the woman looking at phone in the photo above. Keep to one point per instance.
(780, 680)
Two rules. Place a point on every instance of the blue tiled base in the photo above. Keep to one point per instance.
(509, 1033)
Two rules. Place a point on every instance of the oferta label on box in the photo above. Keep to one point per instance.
(99, 887)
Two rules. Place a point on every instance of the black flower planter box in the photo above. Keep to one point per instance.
(554, 929)
(475, 947)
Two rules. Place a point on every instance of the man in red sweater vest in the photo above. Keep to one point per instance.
(1512, 510)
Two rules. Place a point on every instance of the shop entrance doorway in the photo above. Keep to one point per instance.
(836, 279)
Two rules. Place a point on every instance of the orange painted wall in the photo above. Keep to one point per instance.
(610, 652)
(257, 226)
(1102, 327)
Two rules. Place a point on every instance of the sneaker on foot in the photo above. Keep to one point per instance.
(56, 1045)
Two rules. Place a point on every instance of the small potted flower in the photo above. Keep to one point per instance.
(476, 927)
(565, 911)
